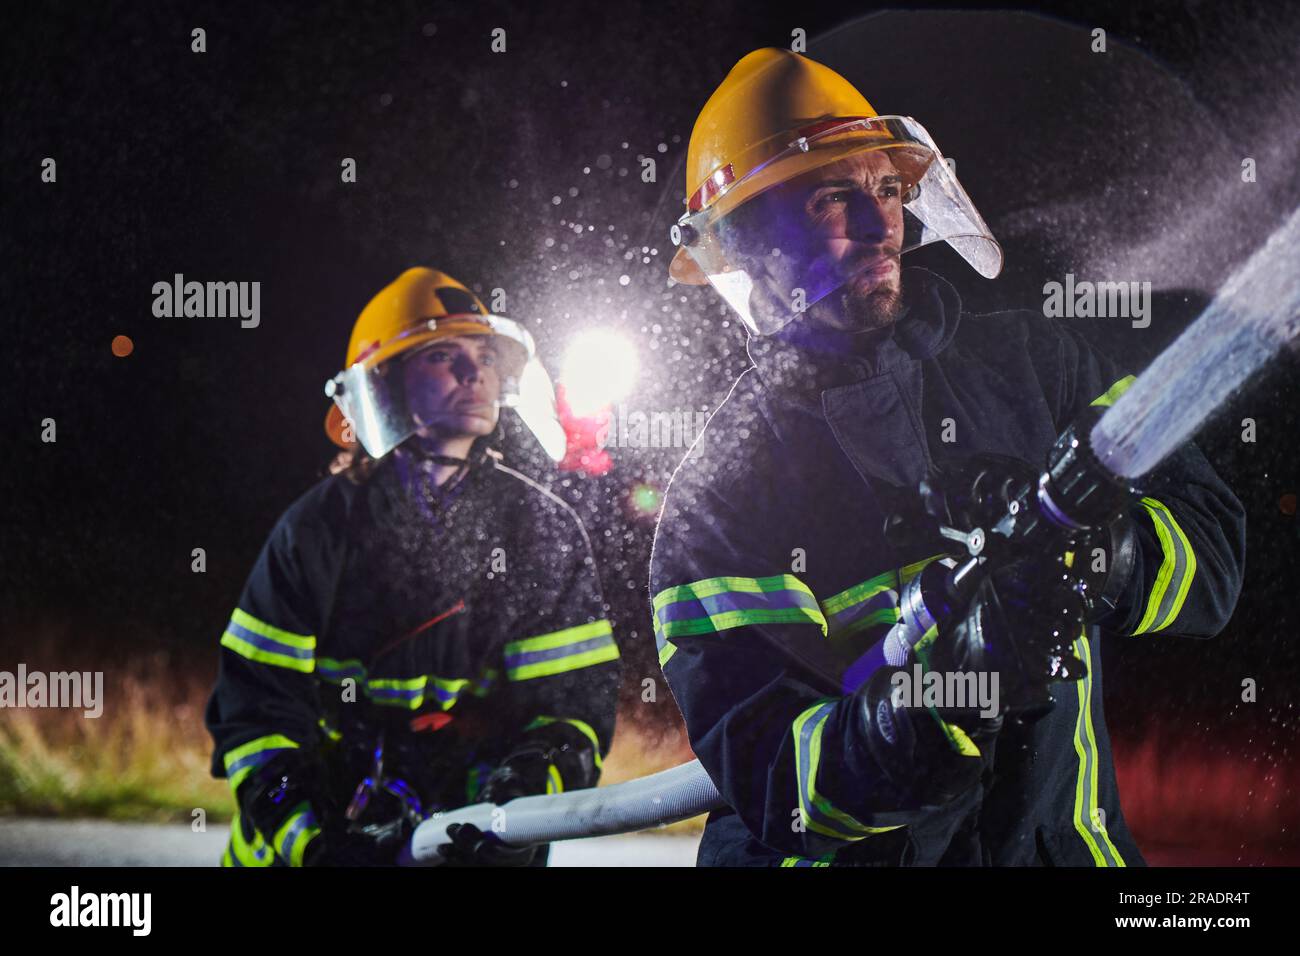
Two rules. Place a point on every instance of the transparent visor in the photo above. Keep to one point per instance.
(833, 210)
(381, 409)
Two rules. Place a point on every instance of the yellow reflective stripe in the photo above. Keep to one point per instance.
(554, 782)
(666, 652)
(815, 811)
(860, 592)
(256, 640)
(886, 615)
(957, 738)
(242, 760)
(562, 638)
(1177, 570)
(854, 601)
(304, 642)
(715, 604)
(561, 665)
(1107, 398)
(1086, 819)
(297, 831)
(329, 731)
(243, 853)
(581, 725)
(253, 653)
(711, 586)
(559, 652)
(412, 692)
(959, 741)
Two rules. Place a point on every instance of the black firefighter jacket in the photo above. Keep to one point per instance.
(452, 624)
(770, 580)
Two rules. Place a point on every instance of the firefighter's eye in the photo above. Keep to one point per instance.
(488, 358)
(830, 200)
(436, 356)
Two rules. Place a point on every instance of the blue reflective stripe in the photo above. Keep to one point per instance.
(297, 829)
(269, 643)
(554, 653)
(815, 810)
(240, 761)
(714, 605)
(335, 672)
(711, 604)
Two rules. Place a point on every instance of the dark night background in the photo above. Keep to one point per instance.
(225, 166)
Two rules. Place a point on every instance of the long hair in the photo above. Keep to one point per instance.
(354, 464)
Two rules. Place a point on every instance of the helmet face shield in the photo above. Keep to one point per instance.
(857, 193)
(371, 393)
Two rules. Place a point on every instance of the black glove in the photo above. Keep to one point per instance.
(375, 845)
(1020, 625)
(288, 783)
(470, 846)
(927, 761)
(1106, 587)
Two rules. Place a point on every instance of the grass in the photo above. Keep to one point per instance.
(146, 758)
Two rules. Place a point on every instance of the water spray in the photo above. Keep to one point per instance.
(1086, 484)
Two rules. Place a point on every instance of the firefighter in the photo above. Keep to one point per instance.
(772, 579)
(424, 628)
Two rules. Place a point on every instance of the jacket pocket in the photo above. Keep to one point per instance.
(1062, 846)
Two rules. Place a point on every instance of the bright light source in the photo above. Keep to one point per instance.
(599, 369)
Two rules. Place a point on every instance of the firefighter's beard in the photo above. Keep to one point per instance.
(861, 305)
(873, 311)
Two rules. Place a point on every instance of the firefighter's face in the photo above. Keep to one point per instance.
(847, 218)
(453, 386)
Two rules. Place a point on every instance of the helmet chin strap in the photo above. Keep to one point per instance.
(417, 450)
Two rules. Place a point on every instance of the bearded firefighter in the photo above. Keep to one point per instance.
(424, 628)
(780, 571)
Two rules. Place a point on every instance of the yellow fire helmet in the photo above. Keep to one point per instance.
(418, 308)
(776, 116)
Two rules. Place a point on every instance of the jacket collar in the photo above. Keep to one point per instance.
(800, 363)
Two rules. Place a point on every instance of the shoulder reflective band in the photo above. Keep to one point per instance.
(560, 651)
(815, 810)
(1089, 821)
(872, 602)
(243, 851)
(295, 833)
(1176, 571)
(716, 604)
(412, 692)
(259, 641)
(242, 760)
(584, 727)
(1107, 398)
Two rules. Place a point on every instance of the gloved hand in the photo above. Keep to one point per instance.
(290, 784)
(1020, 624)
(1106, 586)
(927, 756)
(523, 773)
(470, 846)
(375, 845)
